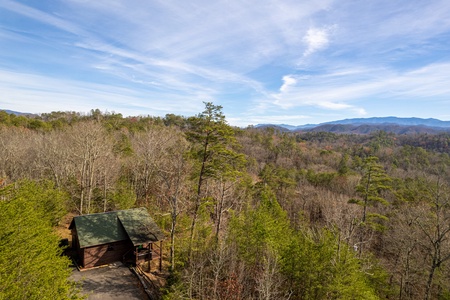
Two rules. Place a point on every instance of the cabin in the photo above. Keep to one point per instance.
(129, 235)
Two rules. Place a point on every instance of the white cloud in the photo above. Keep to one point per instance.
(288, 81)
(332, 105)
(316, 39)
(268, 119)
(344, 89)
(360, 111)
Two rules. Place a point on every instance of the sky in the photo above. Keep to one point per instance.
(281, 62)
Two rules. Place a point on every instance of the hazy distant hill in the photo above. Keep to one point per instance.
(282, 127)
(394, 120)
(368, 125)
(15, 112)
(369, 128)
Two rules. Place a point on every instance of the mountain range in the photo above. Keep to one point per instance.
(368, 125)
(17, 113)
(356, 126)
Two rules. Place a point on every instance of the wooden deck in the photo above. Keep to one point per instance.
(139, 256)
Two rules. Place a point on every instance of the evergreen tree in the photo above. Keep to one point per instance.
(213, 140)
(373, 183)
(31, 265)
(318, 266)
(265, 228)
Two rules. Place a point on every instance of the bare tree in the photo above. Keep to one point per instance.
(269, 281)
(172, 172)
(435, 224)
(90, 150)
(14, 148)
(227, 195)
(146, 147)
(53, 156)
(160, 169)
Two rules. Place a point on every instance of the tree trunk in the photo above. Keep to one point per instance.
(430, 279)
(172, 237)
(219, 211)
(197, 199)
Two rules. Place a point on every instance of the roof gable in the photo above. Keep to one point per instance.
(139, 226)
(98, 229)
(103, 228)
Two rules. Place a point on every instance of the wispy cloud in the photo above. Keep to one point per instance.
(344, 89)
(173, 55)
(37, 94)
(40, 16)
(371, 32)
(303, 57)
(272, 119)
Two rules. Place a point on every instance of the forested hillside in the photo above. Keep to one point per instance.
(248, 213)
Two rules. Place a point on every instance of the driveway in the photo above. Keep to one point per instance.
(112, 282)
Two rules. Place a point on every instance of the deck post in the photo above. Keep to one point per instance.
(136, 255)
(149, 258)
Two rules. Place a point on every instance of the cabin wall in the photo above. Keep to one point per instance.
(105, 254)
(76, 245)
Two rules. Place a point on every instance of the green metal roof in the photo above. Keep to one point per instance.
(139, 226)
(103, 228)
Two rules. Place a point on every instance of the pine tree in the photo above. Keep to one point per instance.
(213, 140)
(373, 183)
(31, 265)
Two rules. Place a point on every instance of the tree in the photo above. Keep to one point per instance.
(171, 177)
(260, 234)
(160, 173)
(147, 146)
(53, 156)
(31, 265)
(373, 182)
(320, 266)
(212, 139)
(228, 193)
(435, 224)
(405, 246)
(90, 154)
(14, 158)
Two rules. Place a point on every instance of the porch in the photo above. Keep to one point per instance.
(144, 253)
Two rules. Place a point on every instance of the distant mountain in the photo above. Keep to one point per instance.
(368, 125)
(394, 120)
(282, 127)
(285, 127)
(369, 128)
(16, 112)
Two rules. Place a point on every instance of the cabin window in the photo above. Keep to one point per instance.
(110, 247)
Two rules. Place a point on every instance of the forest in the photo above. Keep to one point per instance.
(248, 213)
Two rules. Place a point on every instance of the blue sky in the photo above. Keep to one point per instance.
(292, 62)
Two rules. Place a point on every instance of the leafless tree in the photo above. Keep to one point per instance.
(90, 151)
(435, 225)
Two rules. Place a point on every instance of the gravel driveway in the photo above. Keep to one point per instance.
(113, 282)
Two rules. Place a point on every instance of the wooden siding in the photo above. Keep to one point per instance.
(105, 254)
(76, 246)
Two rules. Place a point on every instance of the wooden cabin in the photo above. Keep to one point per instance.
(127, 235)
